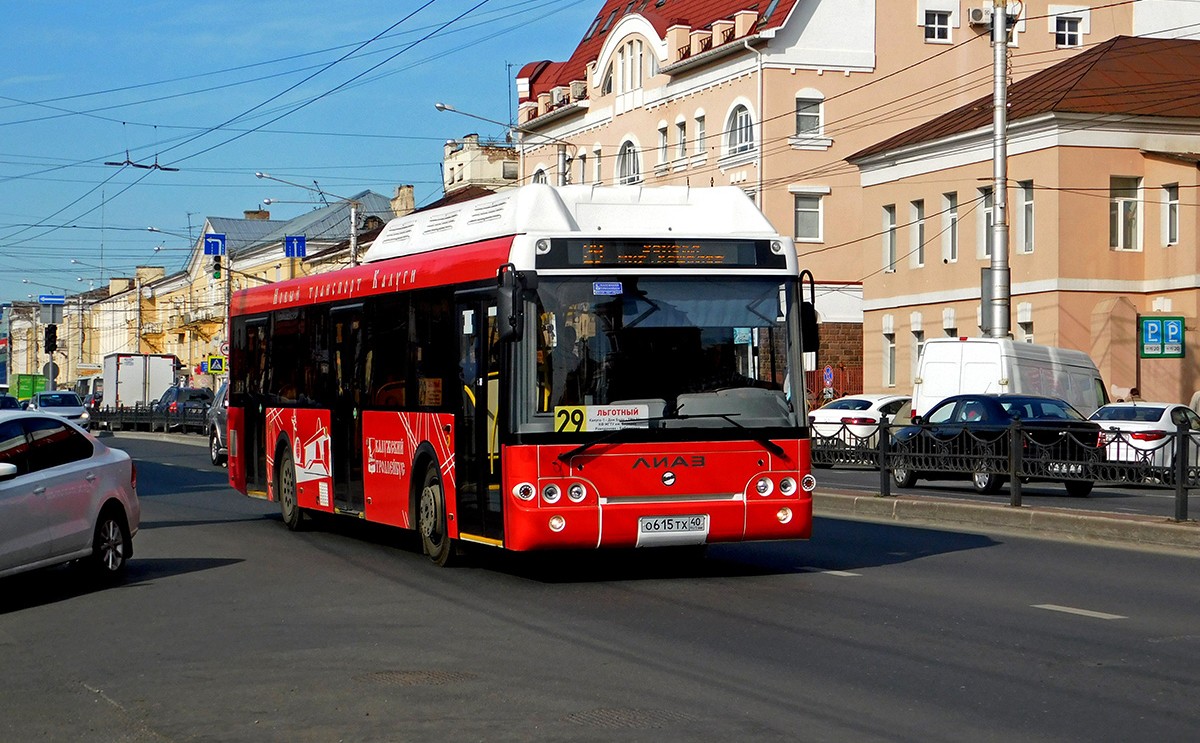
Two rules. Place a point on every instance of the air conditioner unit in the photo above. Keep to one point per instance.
(979, 16)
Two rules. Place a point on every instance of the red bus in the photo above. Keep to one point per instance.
(545, 368)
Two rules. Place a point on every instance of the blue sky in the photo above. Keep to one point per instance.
(221, 89)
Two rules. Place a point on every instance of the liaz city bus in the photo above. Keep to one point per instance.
(546, 368)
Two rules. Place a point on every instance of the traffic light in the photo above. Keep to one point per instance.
(51, 338)
(216, 266)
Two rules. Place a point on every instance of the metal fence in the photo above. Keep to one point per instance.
(145, 418)
(1017, 454)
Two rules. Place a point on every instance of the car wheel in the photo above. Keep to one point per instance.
(986, 483)
(111, 546)
(1078, 488)
(903, 477)
(214, 449)
(432, 509)
(285, 490)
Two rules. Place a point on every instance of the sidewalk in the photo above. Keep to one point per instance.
(189, 439)
(1056, 523)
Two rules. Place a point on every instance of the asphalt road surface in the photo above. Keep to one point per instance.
(231, 628)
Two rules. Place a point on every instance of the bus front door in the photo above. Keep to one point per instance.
(345, 436)
(477, 441)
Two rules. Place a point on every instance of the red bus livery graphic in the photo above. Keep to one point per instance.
(546, 368)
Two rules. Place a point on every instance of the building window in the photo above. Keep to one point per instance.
(889, 238)
(1025, 188)
(700, 144)
(918, 344)
(508, 170)
(808, 117)
(950, 222)
(741, 131)
(662, 143)
(918, 232)
(1067, 32)
(583, 174)
(988, 218)
(1123, 213)
(680, 139)
(889, 359)
(539, 176)
(1171, 215)
(937, 26)
(606, 86)
(628, 169)
(596, 165)
(808, 217)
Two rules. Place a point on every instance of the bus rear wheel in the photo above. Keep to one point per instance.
(285, 490)
(432, 513)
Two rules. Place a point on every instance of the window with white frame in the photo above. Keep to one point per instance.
(987, 217)
(937, 26)
(662, 143)
(1171, 213)
(889, 359)
(539, 176)
(950, 226)
(508, 170)
(889, 237)
(808, 117)
(606, 85)
(741, 131)
(629, 170)
(680, 139)
(917, 209)
(700, 143)
(583, 172)
(1068, 31)
(918, 344)
(596, 166)
(1025, 189)
(808, 217)
(1123, 209)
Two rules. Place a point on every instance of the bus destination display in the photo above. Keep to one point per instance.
(659, 253)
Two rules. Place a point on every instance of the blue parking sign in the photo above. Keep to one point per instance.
(1161, 337)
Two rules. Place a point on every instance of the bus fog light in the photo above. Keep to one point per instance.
(784, 515)
(776, 247)
(787, 486)
(576, 492)
(763, 486)
(524, 491)
(542, 247)
(557, 523)
(551, 493)
(808, 483)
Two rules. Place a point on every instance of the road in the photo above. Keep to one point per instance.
(231, 628)
(1146, 500)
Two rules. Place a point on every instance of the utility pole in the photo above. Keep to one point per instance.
(997, 285)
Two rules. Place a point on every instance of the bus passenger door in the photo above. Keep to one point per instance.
(345, 438)
(477, 440)
(253, 349)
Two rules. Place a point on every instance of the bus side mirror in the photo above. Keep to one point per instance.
(510, 302)
(808, 327)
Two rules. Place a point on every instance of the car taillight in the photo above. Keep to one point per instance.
(133, 474)
(859, 421)
(173, 407)
(1148, 435)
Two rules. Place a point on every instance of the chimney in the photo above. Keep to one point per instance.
(403, 202)
(259, 214)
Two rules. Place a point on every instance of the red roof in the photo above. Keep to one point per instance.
(662, 14)
(1126, 75)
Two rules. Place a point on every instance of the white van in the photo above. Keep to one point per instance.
(953, 366)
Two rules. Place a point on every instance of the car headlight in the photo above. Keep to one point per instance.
(84, 416)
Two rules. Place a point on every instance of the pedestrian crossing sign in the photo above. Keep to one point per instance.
(216, 364)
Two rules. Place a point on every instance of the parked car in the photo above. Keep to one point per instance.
(8, 402)
(215, 422)
(64, 496)
(855, 419)
(967, 436)
(182, 408)
(1144, 432)
(64, 404)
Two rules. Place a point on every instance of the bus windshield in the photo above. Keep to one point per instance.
(688, 351)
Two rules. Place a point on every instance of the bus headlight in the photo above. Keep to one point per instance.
(576, 492)
(776, 247)
(808, 483)
(524, 491)
(787, 486)
(763, 486)
(551, 493)
(542, 247)
(557, 523)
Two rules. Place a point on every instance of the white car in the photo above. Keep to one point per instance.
(64, 496)
(1144, 432)
(855, 419)
(65, 404)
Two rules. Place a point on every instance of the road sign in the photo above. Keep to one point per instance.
(216, 365)
(51, 299)
(293, 246)
(224, 348)
(829, 376)
(1161, 337)
(214, 243)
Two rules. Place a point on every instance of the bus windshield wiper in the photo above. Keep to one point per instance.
(763, 441)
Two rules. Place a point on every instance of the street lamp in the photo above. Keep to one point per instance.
(354, 205)
(562, 143)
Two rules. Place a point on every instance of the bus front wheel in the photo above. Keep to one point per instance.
(434, 539)
(285, 490)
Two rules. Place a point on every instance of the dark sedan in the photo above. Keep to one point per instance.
(969, 436)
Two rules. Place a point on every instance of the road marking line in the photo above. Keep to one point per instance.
(842, 573)
(1080, 612)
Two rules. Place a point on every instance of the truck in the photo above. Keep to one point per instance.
(954, 366)
(136, 379)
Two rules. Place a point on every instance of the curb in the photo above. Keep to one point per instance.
(174, 438)
(1144, 531)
